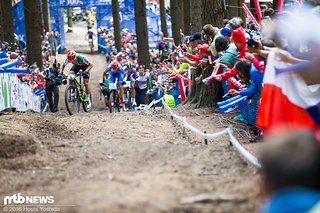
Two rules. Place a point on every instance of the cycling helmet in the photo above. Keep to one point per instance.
(114, 65)
(71, 55)
(130, 65)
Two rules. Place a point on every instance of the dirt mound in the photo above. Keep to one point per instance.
(16, 145)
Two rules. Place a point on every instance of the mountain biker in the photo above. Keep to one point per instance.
(130, 75)
(104, 86)
(90, 36)
(79, 63)
(116, 72)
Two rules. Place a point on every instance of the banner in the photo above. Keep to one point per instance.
(14, 94)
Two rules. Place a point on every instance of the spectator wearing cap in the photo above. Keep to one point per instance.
(239, 39)
(226, 32)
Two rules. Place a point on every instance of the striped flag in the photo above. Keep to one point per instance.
(287, 100)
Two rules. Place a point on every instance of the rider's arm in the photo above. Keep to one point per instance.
(89, 67)
(103, 74)
(64, 65)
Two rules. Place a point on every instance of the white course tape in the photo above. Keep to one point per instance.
(192, 128)
(247, 155)
(252, 159)
(153, 103)
(215, 135)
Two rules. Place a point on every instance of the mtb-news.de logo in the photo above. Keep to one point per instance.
(20, 199)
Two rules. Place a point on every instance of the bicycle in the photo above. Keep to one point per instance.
(75, 94)
(114, 99)
(127, 95)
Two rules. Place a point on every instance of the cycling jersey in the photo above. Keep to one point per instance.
(119, 74)
(130, 75)
(90, 35)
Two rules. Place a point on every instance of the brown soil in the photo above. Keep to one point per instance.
(124, 162)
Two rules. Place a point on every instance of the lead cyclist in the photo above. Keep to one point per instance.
(79, 63)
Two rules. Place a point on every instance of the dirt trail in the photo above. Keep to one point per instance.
(124, 162)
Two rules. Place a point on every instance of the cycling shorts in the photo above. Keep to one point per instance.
(76, 68)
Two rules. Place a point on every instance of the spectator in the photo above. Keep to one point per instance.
(53, 80)
(290, 173)
(141, 86)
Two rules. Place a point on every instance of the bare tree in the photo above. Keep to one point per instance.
(212, 12)
(6, 21)
(70, 23)
(33, 27)
(187, 17)
(176, 19)
(196, 20)
(164, 27)
(116, 24)
(46, 15)
(142, 32)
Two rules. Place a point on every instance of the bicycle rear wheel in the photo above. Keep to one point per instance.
(72, 100)
(117, 102)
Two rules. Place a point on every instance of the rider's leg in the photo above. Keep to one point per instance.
(133, 92)
(121, 91)
(121, 87)
(56, 98)
(86, 85)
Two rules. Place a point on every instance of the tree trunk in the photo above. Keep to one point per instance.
(209, 94)
(192, 92)
(181, 14)
(46, 15)
(187, 17)
(175, 11)
(116, 24)
(6, 21)
(70, 23)
(2, 30)
(164, 27)
(33, 31)
(275, 4)
(142, 32)
(196, 21)
(235, 10)
(213, 12)
(197, 85)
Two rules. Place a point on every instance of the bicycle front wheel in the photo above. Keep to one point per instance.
(112, 102)
(72, 100)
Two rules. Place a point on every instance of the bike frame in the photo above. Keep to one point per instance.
(79, 86)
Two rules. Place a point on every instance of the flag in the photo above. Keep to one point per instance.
(287, 100)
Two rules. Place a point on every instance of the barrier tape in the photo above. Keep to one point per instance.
(247, 155)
